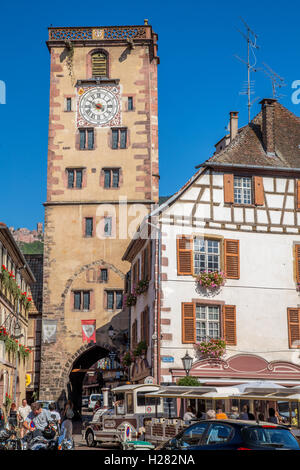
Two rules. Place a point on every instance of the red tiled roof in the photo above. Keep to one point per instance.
(247, 147)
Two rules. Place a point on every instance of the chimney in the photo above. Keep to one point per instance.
(268, 135)
(234, 124)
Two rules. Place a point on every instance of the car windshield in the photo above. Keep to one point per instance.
(269, 436)
(95, 397)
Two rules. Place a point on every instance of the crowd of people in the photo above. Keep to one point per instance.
(35, 418)
(245, 414)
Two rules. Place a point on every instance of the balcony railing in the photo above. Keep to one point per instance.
(100, 33)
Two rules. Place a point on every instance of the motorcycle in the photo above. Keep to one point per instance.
(49, 440)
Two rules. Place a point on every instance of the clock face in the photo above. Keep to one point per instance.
(98, 106)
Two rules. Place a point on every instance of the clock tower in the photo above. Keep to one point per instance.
(102, 179)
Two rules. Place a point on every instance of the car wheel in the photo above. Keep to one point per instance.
(90, 439)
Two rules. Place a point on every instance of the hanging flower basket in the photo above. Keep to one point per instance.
(211, 279)
(211, 348)
(9, 282)
(24, 351)
(130, 299)
(142, 286)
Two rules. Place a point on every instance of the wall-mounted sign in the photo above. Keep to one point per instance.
(149, 380)
(167, 359)
(49, 328)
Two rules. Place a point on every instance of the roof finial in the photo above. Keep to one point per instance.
(146, 22)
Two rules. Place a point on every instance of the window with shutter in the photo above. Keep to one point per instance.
(298, 194)
(297, 263)
(184, 256)
(232, 259)
(294, 327)
(229, 324)
(242, 190)
(258, 191)
(99, 64)
(228, 188)
(188, 323)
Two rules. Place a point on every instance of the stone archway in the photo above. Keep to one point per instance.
(74, 371)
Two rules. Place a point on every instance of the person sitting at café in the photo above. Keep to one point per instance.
(189, 414)
(220, 414)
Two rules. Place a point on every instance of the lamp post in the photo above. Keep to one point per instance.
(187, 362)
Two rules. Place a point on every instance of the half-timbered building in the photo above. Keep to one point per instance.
(238, 216)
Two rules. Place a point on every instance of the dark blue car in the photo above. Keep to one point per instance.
(233, 435)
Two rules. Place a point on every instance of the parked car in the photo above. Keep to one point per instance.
(93, 399)
(232, 435)
(45, 403)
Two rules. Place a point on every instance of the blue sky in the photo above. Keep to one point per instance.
(199, 81)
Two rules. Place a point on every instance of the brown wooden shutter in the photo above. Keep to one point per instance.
(143, 274)
(146, 325)
(298, 194)
(142, 327)
(99, 65)
(149, 260)
(232, 259)
(294, 327)
(138, 274)
(228, 188)
(188, 323)
(258, 191)
(229, 324)
(184, 256)
(134, 335)
(297, 262)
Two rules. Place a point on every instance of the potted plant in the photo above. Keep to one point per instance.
(211, 348)
(211, 279)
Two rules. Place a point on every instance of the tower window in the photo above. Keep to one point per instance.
(119, 138)
(99, 64)
(75, 178)
(114, 300)
(86, 139)
(68, 104)
(88, 226)
(130, 103)
(103, 275)
(111, 177)
(82, 300)
(107, 226)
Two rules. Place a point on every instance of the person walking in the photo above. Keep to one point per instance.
(67, 415)
(13, 415)
(23, 412)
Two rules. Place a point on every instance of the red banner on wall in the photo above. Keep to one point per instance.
(88, 331)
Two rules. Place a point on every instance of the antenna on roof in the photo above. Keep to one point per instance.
(251, 39)
(276, 80)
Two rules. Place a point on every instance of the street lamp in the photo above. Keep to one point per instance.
(111, 331)
(187, 362)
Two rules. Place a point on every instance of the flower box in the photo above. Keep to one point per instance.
(211, 348)
(142, 286)
(211, 279)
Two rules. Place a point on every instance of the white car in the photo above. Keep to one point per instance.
(93, 399)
